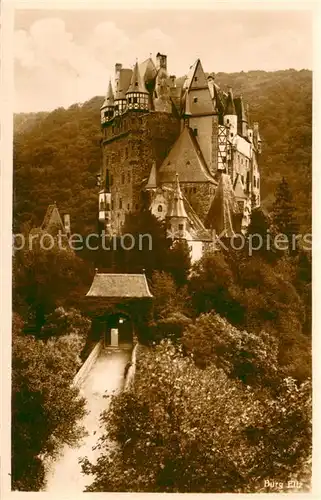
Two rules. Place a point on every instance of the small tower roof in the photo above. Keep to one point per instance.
(230, 108)
(240, 108)
(137, 83)
(152, 180)
(109, 99)
(178, 208)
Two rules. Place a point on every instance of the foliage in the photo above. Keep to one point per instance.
(179, 262)
(252, 358)
(181, 429)
(168, 298)
(45, 406)
(47, 278)
(284, 213)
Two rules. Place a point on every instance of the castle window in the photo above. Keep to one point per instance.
(128, 206)
(195, 99)
(116, 107)
(194, 189)
(242, 177)
(254, 181)
(180, 227)
(135, 100)
(106, 114)
(195, 79)
(120, 203)
(136, 84)
(227, 121)
(195, 131)
(160, 208)
(258, 182)
(112, 205)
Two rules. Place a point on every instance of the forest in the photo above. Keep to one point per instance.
(221, 399)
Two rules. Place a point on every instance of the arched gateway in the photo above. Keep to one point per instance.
(118, 305)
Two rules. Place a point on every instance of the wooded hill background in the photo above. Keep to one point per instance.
(57, 154)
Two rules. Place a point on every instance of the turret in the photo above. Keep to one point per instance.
(177, 214)
(107, 109)
(137, 94)
(230, 116)
(105, 204)
(243, 125)
(256, 137)
(249, 128)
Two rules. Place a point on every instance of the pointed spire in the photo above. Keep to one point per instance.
(137, 83)
(230, 107)
(178, 208)
(242, 109)
(152, 180)
(109, 99)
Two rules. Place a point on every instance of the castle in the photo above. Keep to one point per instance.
(187, 152)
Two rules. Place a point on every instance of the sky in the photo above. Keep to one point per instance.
(63, 57)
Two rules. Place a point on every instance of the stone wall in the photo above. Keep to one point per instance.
(83, 372)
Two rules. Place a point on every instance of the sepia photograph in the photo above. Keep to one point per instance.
(161, 250)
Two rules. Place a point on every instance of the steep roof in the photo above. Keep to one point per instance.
(137, 82)
(230, 107)
(239, 188)
(119, 286)
(177, 208)
(123, 83)
(109, 99)
(185, 159)
(239, 108)
(152, 179)
(223, 210)
(148, 70)
(52, 219)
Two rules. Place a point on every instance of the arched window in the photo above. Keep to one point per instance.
(160, 208)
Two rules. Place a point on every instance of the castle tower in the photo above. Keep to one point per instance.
(122, 79)
(162, 94)
(199, 112)
(177, 216)
(105, 204)
(256, 137)
(137, 96)
(107, 109)
(230, 116)
(242, 123)
(249, 128)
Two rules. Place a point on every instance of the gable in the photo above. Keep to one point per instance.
(186, 160)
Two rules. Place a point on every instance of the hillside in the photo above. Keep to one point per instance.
(57, 154)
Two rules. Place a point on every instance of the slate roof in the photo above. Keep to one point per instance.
(123, 84)
(223, 212)
(152, 179)
(137, 83)
(148, 70)
(186, 159)
(119, 286)
(109, 99)
(52, 219)
(230, 107)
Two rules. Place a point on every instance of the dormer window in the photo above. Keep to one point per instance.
(195, 99)
(159, 208)
(180, 227)
(195, 79)
(136, 84)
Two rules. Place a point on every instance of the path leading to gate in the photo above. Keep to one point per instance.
(107, 375)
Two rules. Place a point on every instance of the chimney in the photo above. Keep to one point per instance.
(67, 224)
(161, 61)
(173, 81)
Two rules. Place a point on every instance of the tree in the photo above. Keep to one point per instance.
(181, 429)
(252, 358)
(284, 213)
(179, 262)
(46, 407)
(212, 287)
(47, 278)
